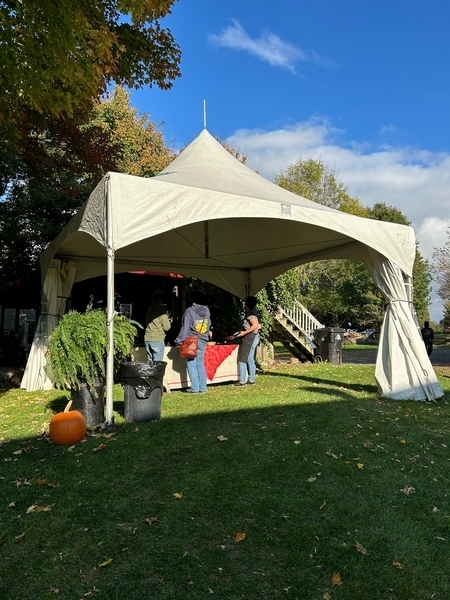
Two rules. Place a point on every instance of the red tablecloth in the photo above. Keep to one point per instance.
(214, 356)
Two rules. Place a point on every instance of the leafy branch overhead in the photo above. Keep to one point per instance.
(58, 57)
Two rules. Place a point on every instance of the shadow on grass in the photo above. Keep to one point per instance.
(59, 403)
(163, 502)
(328, 383)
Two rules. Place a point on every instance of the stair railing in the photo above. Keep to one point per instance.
(300, 316)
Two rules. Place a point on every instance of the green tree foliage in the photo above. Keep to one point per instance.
(281, 291)
(314, 180)
(58, 58)
(340, 293)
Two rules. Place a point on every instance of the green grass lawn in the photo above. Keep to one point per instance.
(305, 486)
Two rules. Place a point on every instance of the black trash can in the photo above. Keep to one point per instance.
(329, 344)
(143, 390)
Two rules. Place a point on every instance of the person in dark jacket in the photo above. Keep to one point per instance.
(196, 321)
(428, 337)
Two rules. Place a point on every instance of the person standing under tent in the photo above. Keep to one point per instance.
(428, 337)
(196, 321)
(250, 340)
(157, 325)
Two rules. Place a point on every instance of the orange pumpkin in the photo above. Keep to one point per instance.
(67, 427)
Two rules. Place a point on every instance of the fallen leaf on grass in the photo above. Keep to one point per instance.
(398, 565)
(408, 490)
(88, 594)
(19, 537)
(222, 438)
(326, 596)
(329, 453)
(336, 579)
(35, 508)
(101, 447)
(18, 452)
(178, 495)
(360, 465)
(361, 549)
(47, 483)
(21, 481)
(106, 563)
(151, 520)
(239, 537)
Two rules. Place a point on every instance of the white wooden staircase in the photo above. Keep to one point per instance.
(294, 328)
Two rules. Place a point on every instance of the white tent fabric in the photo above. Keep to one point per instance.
(56, 289)
(403, 369)
(209, 216)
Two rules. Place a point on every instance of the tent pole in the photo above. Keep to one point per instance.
(247, 283)
(109, 418)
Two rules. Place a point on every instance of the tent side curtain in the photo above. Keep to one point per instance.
(56, 289)
(403, 369)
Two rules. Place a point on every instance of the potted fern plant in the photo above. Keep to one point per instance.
(76, 357)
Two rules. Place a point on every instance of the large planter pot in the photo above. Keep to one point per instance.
(90, 402)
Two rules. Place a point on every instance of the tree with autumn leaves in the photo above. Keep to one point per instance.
(43, 196)
(57, 138)
(58, 58)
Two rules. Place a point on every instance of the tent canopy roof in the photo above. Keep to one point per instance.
(209, 216)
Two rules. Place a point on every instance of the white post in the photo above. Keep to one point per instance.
(109, 418)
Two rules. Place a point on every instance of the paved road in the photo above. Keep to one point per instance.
(439, 357)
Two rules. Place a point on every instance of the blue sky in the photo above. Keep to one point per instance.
(362, 85)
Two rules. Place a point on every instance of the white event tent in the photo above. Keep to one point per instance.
(209, 216)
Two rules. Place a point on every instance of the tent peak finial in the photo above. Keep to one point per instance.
(204, 114)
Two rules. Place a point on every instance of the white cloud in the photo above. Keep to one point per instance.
(268, 47)
(415, 181)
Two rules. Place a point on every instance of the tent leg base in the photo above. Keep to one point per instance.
(108, 425)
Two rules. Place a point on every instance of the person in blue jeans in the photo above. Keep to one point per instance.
(250, 340)
(196, 321)
(158, 324)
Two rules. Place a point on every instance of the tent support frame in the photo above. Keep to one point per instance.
(109, 418)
